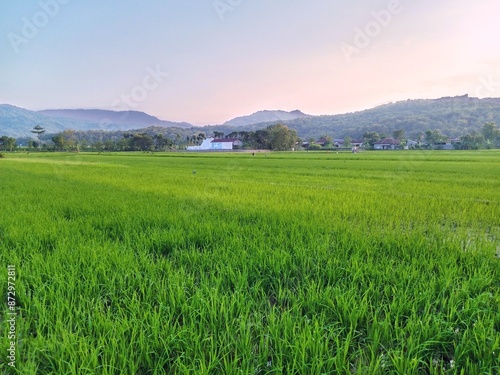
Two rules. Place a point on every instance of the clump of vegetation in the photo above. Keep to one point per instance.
(298, 263)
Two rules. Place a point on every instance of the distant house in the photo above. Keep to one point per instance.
(386, 144)
(456, 142)
(411, 144)
(449, 144)
(321, 142)
(338, 142)
(356, 142)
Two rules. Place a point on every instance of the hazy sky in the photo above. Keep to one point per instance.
(206, 61)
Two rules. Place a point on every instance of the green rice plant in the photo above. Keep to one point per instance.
(299, 263)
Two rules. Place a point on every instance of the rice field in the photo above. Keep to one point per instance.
(279, 263)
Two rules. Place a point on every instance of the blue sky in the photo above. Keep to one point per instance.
(206, 61)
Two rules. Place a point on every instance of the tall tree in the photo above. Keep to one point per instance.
(4, 142)
(11, 143)
(370, 138)
(491, 135)
(7, 143)
(58, 142)
(398, 134)
(158, 141)
(38, 130)
(490, 131)
(281, 138)
(70, 140)
(473, 141)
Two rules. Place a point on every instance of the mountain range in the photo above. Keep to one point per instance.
(18, 122)
(453, 116)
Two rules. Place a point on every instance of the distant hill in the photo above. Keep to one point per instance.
(453, 116)
(17, 122)
(265, 116)
(114, 118)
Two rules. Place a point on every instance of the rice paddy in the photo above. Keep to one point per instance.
(280, 263)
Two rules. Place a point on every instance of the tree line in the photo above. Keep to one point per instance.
(488, 137)
(276, 137)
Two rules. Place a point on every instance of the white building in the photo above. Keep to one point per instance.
(205, 146)
(210, 144)
(225, 143)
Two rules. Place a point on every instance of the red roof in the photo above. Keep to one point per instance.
(388, 141)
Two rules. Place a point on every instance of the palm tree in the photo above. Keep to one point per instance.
(159, 143)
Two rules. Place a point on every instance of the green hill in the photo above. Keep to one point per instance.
(454, 116)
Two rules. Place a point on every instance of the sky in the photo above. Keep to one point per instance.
(207, 61)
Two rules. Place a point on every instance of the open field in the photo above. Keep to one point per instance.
(286, 263)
